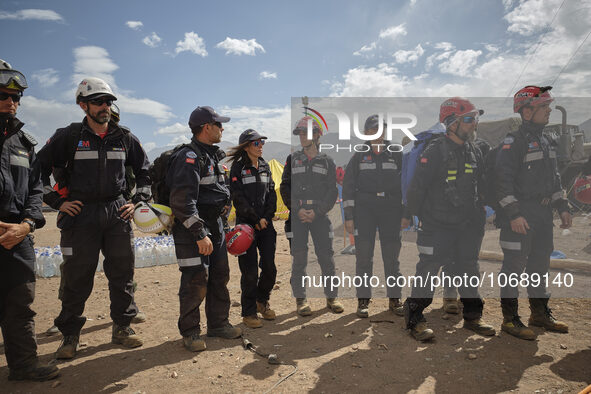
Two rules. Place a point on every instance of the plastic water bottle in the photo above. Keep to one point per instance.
(48, 266)
(57, 260)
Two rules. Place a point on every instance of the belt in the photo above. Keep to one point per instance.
(91, 200)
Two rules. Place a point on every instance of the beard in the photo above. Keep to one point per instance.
(101, 117)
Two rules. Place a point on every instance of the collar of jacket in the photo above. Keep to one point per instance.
(532, 128)
(9, 124)
(111, 130)
(213, 150)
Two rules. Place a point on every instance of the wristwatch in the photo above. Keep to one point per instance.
(31, 224)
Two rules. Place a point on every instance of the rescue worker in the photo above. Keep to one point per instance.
(372, 199)
(253, 193)
(198, 196)
(444, 194)
(140, 317)
(308, 187)
(528, 188)
(88, 162)
(20, 214)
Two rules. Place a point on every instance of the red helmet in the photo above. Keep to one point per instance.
(340, 175)
(456, 106)
(583, 189)
(239, 239)
(531, 95)
(302, 126)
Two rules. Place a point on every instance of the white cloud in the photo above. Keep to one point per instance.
(413, 3)
(403, 56)
(444, 45)
(135, 25)
(152, 40)
(382, 80)
(393, 32)
(145, 106)
(148, 146)
(93, 61)
(460, 63)
(46, 77)
(531, 16)
(43, 117)
(491, 48)
(32, 14)
(365, 50)
(267, 75)
(436, 57)
(235, 46)
(271, 122)
(191, 43)
(175, 128)
(181, 139)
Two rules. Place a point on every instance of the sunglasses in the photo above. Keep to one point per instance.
(469, 119)
(16, 97)
(258, 143)
(100, 101)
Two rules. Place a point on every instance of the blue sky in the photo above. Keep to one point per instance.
(248, 59)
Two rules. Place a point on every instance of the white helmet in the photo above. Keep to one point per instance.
(152, 218)
(93, 88)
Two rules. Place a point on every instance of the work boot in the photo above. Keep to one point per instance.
(514, 326)
(68, 347)
(541, 316)
(265, 310)
(363, 307)
(421, 332)
(303, 307)
(396, 306)
(451, 306)
(36, 372)
(139, 318)
(194, 343)
(124, 335)
(334, 305)
(52, 330)
(227, 332)
(252, 321)
(479, 327)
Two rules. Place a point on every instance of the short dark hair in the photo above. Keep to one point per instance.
(197, 129)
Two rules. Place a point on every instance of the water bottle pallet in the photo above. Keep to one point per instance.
(149, 252)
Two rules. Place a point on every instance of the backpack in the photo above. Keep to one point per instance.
(411, 156)
(159, 168)
(74, 134)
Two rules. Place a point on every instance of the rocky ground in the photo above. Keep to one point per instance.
(332, 353)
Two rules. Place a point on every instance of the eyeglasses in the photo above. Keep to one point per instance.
(218, 124)
(16, 97)
(100, 101)
(258, 143)
(469, 119)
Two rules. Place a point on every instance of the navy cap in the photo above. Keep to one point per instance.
(373, 122)
(250, 135)
(203, 115)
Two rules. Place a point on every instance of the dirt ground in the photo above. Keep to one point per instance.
(333, 353)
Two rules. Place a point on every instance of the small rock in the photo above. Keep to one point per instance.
(235, 304)
(83, 344)
(278, 282)
(276, 287)
(174, 375)
(428, 359)
(355, 365)
(472, 356)
(315, 351)
(219, 376)
(563, 346)
(383, 346)
(194, 360)
(55, 384)
(328, 335)
(156, 282)
(355, 347)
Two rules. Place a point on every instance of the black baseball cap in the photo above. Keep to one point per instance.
(373, 122)
(203, 115)
(250, 135)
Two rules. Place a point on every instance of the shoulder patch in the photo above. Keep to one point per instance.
(190, 161)
(508, 140)
(424, 160)
(192, 155)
